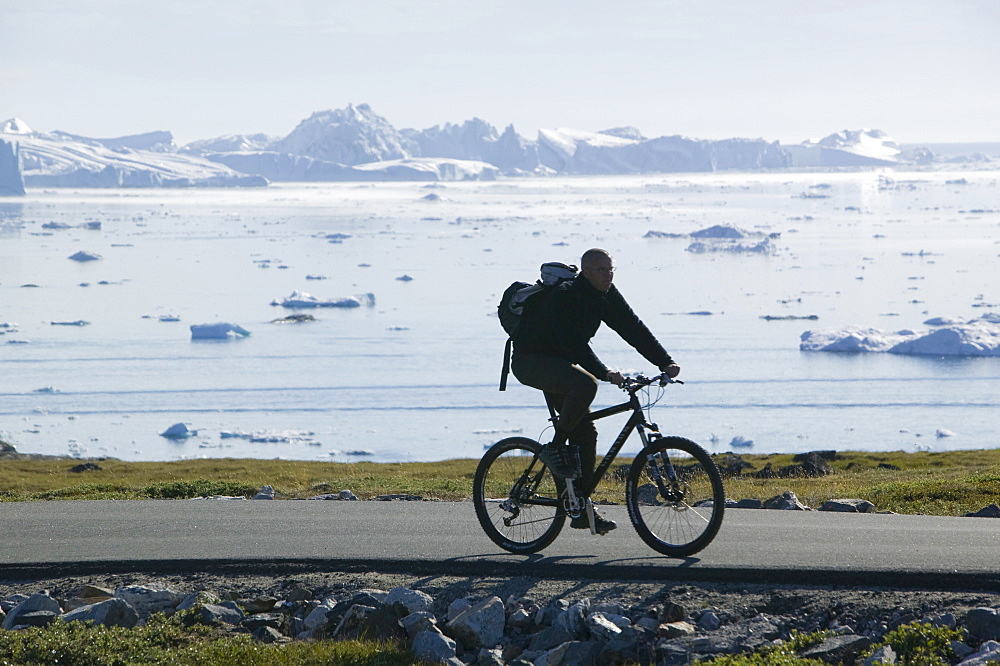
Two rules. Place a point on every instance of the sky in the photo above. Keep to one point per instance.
(923, 71)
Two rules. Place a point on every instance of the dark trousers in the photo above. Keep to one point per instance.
(569, 390)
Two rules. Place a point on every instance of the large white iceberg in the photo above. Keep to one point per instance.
(59, 159)
(300, 299)
(976, 337)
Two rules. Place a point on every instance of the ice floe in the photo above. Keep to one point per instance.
(301, 299)
(83, 255)
(178, 431)
(221, 331)
(974, 337)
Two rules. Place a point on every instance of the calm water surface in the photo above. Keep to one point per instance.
(414, 377)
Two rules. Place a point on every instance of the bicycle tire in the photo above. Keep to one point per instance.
(517, 497)
(680, 518)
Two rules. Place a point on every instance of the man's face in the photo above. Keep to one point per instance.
(599, 273)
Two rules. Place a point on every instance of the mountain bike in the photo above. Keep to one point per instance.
(673, 489)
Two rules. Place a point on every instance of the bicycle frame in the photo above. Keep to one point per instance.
(637, 421)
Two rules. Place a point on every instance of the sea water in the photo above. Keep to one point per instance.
(97, 357)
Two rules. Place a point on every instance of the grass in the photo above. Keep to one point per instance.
(175, 641)
(949, 483)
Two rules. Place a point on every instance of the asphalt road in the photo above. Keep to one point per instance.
(48, 539)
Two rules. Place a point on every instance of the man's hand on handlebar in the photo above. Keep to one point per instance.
(672, 370)
(616, 377)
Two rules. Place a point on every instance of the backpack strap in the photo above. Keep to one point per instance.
(506, 365)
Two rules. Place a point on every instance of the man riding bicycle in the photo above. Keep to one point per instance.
(552, 353)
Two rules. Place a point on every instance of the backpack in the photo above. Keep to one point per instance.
(517, 302)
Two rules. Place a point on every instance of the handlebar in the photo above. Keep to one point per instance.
(632, 384)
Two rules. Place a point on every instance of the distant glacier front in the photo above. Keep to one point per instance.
(354, 144)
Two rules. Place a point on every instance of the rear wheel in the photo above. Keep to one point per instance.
(516, 497)
(675, 496)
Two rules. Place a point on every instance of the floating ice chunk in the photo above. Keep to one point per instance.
(944, 433)
(741, 442)
(222, 331)
(359, 452)
(721, 231)
(978, 337)
(300, 299)
(85, 256)
(404, 278)
(46, 389)
(943, 321)
(178, 431)
(78, 322)
(763, 247)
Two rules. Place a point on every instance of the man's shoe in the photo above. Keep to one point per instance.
(602, 524)
(560, 460)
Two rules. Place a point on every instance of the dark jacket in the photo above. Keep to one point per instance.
(569, 316)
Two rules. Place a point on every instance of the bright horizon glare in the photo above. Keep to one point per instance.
(924, 71)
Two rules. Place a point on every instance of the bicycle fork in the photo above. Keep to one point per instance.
(667, 484)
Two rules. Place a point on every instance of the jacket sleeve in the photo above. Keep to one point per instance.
(620, 317)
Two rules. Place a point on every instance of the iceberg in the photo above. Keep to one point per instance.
(178, 431)
(222, 331)
(59, 159)
(976, 337)
(11, 178)
(300, 299)
(864, 147)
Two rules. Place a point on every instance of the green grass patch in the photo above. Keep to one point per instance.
(175, 641)
(949, 483)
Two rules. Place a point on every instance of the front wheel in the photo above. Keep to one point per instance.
(516, 497)
(675, 496)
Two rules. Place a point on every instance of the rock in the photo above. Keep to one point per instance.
(883, 655)
(988, 653)
(670, 630)
(413, 601)
(601, 628)
(549, 637)
(838, 649)
(671, 612)
(214, 614)
(787, 501)
(574, 653)
(749, 503)
(984, 623)
(848, 506)
(709, 621)
(198, 599)
(573, 619)
(38, 618)
(298, 593)
(414, 623)
(85, 467)
(433, 647)
(148, 600)
(258, 620)
(36, 602)
(347, 495)
(265, 493)
(268, 635)
(481, 625)
(111, 613)
(991, 511)
(457, 607)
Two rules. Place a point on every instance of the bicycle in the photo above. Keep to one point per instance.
(673, 491)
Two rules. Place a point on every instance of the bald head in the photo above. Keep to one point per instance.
(597, 267)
